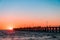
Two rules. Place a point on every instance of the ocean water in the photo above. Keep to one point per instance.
(26, 35)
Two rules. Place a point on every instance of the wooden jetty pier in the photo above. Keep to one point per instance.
(50, 29)
(40, 29)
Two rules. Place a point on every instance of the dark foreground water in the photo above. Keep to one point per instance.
(24, 35)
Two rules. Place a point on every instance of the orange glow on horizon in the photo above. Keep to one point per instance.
(10, 28)
(5, 23)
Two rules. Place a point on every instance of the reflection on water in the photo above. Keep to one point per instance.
(22, 35)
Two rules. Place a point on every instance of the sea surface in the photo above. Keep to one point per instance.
(27, 35)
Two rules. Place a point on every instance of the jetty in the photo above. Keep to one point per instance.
(39, 29)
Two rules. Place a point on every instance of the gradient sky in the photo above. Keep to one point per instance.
(29, 12)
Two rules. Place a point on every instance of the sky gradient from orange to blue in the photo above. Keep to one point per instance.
(29, 13)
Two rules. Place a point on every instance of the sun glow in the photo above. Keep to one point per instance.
(10, 27)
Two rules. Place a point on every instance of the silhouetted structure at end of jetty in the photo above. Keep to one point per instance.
(39, 29)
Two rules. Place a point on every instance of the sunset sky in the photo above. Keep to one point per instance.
(22, 13)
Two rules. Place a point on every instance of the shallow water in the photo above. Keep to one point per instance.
(24, 35)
